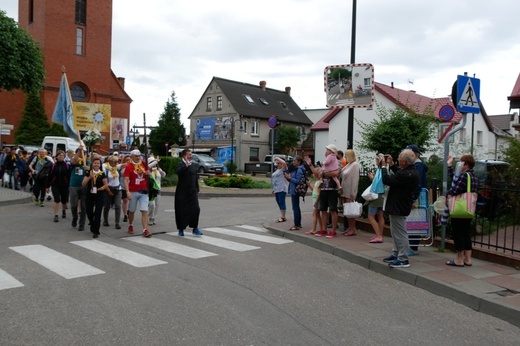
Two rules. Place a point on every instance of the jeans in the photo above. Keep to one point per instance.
(295, 199)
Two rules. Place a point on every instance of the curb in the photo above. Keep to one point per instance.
(477, 303)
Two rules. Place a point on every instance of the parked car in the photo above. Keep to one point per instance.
(492, 199)
(207, 164)
(287, 158)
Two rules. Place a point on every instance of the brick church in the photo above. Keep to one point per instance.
(76, 35)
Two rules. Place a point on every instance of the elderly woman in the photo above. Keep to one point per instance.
(280, 187)
(349, 185)
(462, 227)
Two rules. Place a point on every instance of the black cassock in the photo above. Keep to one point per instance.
(187, 208)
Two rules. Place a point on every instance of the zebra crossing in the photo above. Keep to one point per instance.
(68, 267)
(339, 102)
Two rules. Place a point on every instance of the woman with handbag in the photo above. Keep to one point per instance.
(349, 185)
(462, 226)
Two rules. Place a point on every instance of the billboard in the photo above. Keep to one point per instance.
(349, 85)
(89, 116)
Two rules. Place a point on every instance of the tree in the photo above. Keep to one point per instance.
(34, 125)
(512, 155)
(21, 61)
(169, 128)
(395, 129)
(288, 137)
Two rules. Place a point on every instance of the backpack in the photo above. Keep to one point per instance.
(302, 186)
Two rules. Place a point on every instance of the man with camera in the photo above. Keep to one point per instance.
(398, 204)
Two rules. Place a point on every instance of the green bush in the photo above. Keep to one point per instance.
(235, 181)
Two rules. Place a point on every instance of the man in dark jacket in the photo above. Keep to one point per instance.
(398, 204)
(422, 169)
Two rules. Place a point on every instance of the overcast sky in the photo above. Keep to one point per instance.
(161, 46)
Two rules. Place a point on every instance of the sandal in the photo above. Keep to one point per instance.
(349, 233)
(310, 233)
(281, 219)
(294, 228)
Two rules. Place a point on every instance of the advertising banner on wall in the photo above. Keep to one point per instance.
(118, 130)
(214, 128)
(88, 116)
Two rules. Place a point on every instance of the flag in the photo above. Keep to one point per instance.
(63, 110)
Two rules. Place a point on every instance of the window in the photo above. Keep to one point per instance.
(263, 101)
(254, 128)
(79, 93)
(462, 137)
(253, 154)
(283, 105)
(209, 104)
(81, 12)
(79, 41)
(219, 103)
(31, 11)
(366, 82)
(479, 137)
(249, 99)
(244, 126)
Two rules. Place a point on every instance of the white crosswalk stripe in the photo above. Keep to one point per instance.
(61, 264)
(70, 268)
(8, 281)
(121, 254)
(253, 228)
(226, 244)
(245, 235)
(170, 247)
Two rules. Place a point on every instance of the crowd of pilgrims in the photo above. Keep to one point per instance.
(91, 186)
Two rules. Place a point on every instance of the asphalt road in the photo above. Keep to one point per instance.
(273, 294)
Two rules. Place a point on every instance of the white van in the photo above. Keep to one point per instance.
(54, 143)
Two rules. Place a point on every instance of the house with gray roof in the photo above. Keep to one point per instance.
(233, 116)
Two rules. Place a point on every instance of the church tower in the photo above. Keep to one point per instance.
(76, 35)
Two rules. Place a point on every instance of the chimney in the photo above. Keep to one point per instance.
(392, 85)
(263, 84)
(121, 81)
(288, 90)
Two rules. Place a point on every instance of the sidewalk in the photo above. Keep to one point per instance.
(486, 287)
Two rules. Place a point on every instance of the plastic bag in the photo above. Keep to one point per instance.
(352, 209)
(377, 184)
(369, 195)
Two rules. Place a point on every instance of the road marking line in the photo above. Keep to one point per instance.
(8, 281)
(257, 237)
(63, 265)
(121, 254)
(226, 244)
(170, 247)
(253, 228)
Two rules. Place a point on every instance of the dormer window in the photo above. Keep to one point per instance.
(249, 99)
(263, 101)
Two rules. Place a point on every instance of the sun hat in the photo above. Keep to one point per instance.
(332, 148)
(135, 152)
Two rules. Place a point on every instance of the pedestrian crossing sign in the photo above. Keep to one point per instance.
(468, 94)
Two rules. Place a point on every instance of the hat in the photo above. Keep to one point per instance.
(135, 152)
(152, 162)
(413, 148)
(115, 153)
(332, 148)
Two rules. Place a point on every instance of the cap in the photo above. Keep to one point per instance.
(413, 148)
(152, 161)
(135, 152)
(115, 153)
(332, 148)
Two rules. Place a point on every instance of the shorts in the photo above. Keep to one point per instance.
(328, 200)
(141, 198)
(374, 210)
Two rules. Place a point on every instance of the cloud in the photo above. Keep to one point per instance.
(162, 46)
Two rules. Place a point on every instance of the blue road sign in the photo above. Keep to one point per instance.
(446, 112)
(468, 94)
(128, 141)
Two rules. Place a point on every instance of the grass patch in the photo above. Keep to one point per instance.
(235, 181)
